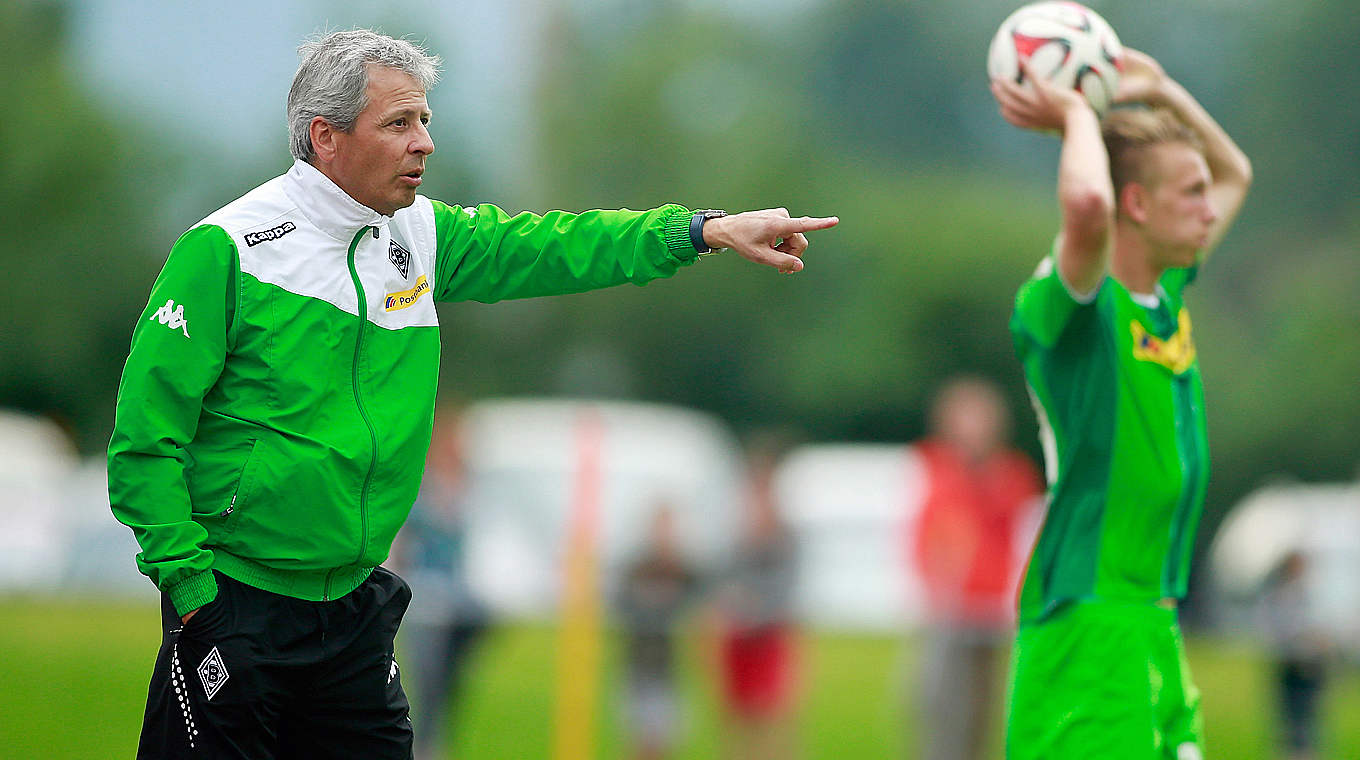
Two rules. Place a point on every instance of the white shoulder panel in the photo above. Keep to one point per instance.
(277, 245)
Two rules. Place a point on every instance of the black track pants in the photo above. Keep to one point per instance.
(262, 676)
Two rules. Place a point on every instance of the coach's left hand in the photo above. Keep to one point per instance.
(769, 237)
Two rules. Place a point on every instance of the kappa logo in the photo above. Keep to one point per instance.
(213, 672)
(393, 671)
(401, 300)
(400, 258)
(263, 236)
(171, 316)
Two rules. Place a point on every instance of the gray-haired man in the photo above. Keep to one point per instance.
(277, 402)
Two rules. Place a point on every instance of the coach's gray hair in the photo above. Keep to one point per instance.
(332, 80)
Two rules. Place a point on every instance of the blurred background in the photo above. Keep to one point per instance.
(129, 120)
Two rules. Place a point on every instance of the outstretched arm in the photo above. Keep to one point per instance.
(1144, 81)
(484, 254)
(1085, 193)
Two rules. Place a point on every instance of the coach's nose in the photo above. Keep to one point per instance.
(423, 142)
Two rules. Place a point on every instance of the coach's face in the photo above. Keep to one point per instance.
(380, 161)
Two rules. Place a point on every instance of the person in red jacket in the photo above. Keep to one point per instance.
(757, 633)
(969, 545)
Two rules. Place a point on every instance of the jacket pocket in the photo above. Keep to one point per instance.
(245, 487)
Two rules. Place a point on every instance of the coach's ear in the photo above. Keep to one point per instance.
(1133, 202)
(323, 139)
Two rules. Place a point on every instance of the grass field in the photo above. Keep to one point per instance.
(73, 682)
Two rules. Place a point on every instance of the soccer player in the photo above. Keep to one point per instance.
(1105, 339)
(276, 406)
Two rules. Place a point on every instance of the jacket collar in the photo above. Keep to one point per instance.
(325, 205)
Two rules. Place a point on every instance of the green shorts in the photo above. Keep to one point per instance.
(1103, 679)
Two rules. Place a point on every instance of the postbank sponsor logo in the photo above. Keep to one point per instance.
(402, 299)
(1176, 353)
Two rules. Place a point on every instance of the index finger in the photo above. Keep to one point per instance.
(806, 224)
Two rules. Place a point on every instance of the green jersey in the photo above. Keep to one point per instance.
(1117, 388)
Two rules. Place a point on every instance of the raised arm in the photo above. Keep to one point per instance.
(1144, 81)
(1085, 193)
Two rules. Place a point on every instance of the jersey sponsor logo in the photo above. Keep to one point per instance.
(1176, 353)
(171, 316)
(400, 258)
(402, 299)
(263, 236)
(213, 672)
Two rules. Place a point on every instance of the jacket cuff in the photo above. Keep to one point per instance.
(675, 231)
(194, 592)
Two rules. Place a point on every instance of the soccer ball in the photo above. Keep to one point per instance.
(1064, 42)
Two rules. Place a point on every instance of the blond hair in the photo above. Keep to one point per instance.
(1130, 133)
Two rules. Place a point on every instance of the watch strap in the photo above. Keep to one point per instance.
(696, 228)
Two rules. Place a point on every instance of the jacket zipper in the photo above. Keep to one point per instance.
(359, 402)
(240, 481)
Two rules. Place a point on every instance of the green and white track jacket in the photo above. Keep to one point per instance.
(276, 406)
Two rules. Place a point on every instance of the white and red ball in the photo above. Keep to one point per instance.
(1063, 42)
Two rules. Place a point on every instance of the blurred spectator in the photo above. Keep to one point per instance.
(974, 529)
(1300, 651)
(656, 591)
(756, 630)
(446, 619)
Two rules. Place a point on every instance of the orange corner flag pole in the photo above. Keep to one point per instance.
(580, 637)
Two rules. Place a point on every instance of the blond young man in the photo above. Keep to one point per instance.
(1105, 339)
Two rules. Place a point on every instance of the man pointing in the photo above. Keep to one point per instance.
(277, 402)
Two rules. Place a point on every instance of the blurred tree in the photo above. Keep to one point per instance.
(889, 83)
(74, 202)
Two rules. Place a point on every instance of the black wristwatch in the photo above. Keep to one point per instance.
(696, 229)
